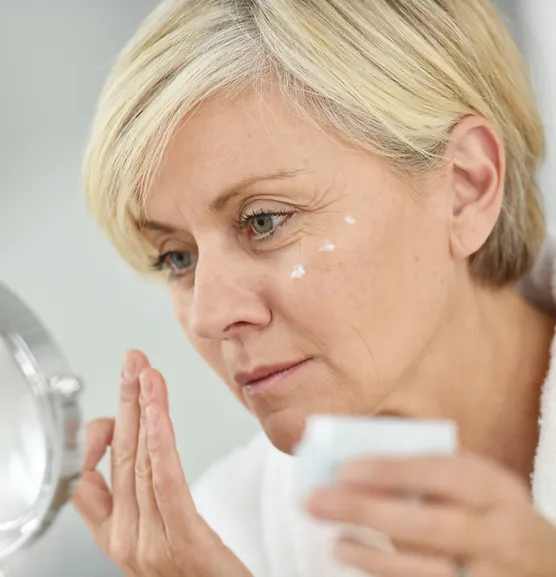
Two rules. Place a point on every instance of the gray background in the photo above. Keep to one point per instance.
(54, 56)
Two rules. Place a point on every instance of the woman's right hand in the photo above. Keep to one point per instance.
(146, 523)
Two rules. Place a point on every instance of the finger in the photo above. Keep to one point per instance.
(391, 564)
(149, 515)
(437, 529)
(467, 479)
(124, 445)
(172, 494)
(99, 434)
(93, 500)
(154, 389)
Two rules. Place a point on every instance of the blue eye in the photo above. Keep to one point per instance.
(263, 224)
(179, 260)
(176, 262)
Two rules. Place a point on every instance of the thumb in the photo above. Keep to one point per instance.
(99, 436)
(93, 500)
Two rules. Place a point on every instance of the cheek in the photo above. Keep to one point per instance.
(380, 293)
(400, 290)
(296, 280)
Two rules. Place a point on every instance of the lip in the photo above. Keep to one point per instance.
(265, 376)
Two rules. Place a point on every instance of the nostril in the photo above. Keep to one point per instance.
(235, 326)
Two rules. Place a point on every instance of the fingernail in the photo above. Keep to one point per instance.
(129, 369)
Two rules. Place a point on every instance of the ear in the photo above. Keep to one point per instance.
(477, 169)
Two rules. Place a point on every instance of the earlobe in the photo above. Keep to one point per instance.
(477, 173)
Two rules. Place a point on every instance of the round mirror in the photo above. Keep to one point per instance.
(40, 427)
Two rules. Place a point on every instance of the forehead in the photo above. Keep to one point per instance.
(224, 142)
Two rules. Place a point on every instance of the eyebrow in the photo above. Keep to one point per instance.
(221, 201)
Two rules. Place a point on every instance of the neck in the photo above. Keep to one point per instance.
(485, 370)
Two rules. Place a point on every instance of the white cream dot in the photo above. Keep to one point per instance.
(327, 246)
(298, 271)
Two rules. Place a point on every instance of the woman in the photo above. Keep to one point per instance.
(343, 196)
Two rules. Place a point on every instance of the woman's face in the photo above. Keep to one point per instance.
(302, 269)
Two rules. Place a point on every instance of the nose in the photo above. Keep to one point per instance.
(227, 297)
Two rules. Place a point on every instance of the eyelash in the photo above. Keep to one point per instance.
(160, 263)
(245, 220)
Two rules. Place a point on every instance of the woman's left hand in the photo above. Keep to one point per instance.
(476, 518)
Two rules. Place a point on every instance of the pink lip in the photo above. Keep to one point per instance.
(264, 377)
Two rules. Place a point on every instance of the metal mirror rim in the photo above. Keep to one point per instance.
(56, 390)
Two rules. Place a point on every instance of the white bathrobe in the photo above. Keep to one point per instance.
(249, 498)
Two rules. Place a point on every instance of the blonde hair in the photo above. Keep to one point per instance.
(392, 76)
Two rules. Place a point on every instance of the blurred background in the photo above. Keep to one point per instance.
(54, 57)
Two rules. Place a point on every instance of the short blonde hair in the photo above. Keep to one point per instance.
(392, 76)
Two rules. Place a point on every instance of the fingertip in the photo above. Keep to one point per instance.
(154, 388)
(101, 426)
(133, 362)
(99, 435)
(137, 355)
(152, 374)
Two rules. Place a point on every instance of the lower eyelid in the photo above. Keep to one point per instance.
(177, 276)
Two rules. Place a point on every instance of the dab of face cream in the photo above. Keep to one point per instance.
(298, 271)
(327, 246)
(349, 219)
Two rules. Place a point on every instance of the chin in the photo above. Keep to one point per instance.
(285, 429)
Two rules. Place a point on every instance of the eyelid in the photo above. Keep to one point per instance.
(160, 264)
(246, 219)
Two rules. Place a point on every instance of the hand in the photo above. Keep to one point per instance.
(146, 523)
(474, 514)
